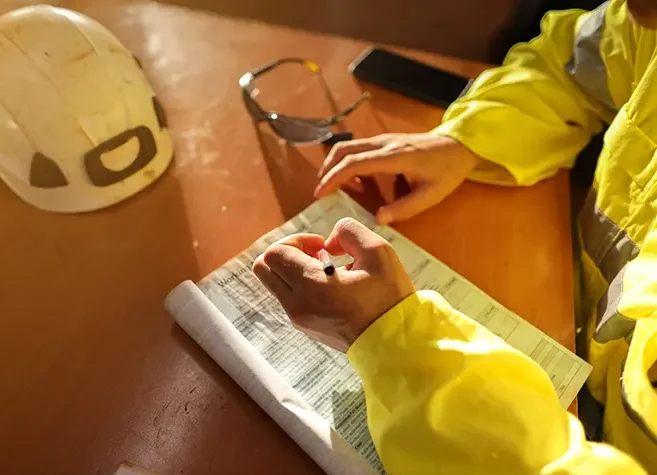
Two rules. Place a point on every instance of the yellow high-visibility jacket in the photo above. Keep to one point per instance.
(446, 396)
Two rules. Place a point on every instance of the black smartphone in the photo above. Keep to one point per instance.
(408, 77)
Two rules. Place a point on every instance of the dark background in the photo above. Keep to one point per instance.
(474, 29)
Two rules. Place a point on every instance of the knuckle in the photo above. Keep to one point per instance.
(259, 265)
(272, 254)
(341, 146)
(339, 149)
(390, 137)
(356, 159)
(349, 161)
(346, 224)
(346, 221)
(381, 248)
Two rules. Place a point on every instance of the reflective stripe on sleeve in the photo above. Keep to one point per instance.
(610, 249)
(586, 67)
(604, 241)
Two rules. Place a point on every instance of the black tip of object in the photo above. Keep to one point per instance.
(329, 270)
(338, 137)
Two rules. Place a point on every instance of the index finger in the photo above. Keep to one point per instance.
(354, 238)
(293, 258)
(342, 149)
(310, 244)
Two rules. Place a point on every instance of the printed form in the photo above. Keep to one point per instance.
(314, 377)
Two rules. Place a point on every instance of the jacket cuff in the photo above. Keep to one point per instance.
(387, 332)
(491, 170)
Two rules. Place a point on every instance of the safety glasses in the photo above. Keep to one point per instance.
(295, 130)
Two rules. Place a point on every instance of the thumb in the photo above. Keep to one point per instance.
(354, 238)
(418, 200)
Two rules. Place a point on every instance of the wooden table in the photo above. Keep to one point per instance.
(94, 372)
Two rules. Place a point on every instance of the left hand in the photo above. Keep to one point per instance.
(434, 165)
(334, 309)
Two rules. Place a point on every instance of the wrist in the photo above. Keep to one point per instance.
(456, 148)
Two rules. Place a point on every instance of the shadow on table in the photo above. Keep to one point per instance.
(292, 175)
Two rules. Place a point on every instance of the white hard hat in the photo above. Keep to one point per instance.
(80, 127)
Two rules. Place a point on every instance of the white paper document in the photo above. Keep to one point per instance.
(310, 390)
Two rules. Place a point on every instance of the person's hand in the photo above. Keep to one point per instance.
(334, 309)
(434, 166)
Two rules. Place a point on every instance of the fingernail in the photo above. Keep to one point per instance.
(316, 192)
(383, 217)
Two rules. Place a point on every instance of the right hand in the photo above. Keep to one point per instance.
(434, 166)
(334, 309)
